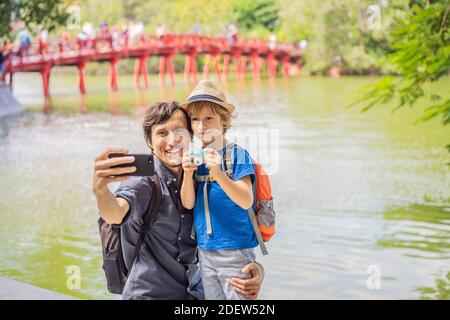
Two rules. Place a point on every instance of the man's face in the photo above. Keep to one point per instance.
(171, 139)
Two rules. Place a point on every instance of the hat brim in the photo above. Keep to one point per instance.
(228, 106)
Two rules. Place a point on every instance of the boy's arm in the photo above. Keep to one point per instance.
(187, 192)
(240, 191)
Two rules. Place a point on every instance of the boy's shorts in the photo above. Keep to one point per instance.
(217, 267)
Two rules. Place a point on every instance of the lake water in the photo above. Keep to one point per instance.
(357, 195)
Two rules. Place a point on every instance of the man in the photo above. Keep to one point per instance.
(161, 268)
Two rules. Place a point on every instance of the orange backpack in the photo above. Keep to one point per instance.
(263, 218)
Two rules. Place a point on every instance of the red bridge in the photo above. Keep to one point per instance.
(42, 57)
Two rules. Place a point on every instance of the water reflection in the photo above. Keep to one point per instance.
(423, 231)
(47, 105)
(440, 290)
(83, 103)
(114, 102)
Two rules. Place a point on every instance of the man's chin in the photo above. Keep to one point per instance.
(173, 162)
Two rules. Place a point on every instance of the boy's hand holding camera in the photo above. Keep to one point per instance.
(212, 161)
(188, 164)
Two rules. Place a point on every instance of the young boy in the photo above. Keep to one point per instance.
(224, 232)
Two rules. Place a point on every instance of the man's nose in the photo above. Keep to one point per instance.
(174, 138)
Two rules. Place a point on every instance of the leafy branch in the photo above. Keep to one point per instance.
(421, 55)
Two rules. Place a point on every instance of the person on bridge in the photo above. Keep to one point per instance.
(272, 42)
(161, 31)
(24, 41)
(1, 61)
(82, 39)
(197, 30)
(43, 39)
(125, 35)
(232, 34)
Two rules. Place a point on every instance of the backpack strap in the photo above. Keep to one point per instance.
(149, 216)
(199, 178)
(228, 167)
(207, 212)
(205, 179)
(228, 159)
(252, 216)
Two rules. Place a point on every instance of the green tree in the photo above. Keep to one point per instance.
(339, 28)
(250, 14)
(421, 44)
(48, 13)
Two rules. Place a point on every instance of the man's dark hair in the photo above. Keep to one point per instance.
(160, 113)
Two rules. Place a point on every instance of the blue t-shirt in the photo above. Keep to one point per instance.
(231, 226)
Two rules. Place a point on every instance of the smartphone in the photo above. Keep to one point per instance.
(144, 163)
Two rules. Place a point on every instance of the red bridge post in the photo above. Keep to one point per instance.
(141, 69)
(213, 59)
(165, 61)
(271, 64)
(207, 66)
(285, 64)
(45, 74)
(81, 82)
(226, 66)
(113, 81)
(254, 57)
(190, 66)
(237, 64)
(170, 69)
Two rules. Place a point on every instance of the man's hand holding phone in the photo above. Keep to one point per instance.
(106, 170)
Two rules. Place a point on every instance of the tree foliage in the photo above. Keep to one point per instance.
(48, 13)
(421, 55)
(256, 14)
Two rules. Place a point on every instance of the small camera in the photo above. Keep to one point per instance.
(198, 155)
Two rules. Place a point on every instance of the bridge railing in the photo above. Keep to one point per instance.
(185, 43)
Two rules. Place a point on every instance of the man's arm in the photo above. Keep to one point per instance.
(249, 288)
(112, 209)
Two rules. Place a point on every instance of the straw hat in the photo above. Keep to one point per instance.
(205, 90)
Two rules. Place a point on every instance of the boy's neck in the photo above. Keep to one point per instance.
(217, 144)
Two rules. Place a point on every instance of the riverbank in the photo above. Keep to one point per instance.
(8, 103)
(14, 290)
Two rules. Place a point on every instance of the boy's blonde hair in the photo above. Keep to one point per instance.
(196, 106)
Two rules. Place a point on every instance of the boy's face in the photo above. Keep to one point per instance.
(207, 125)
